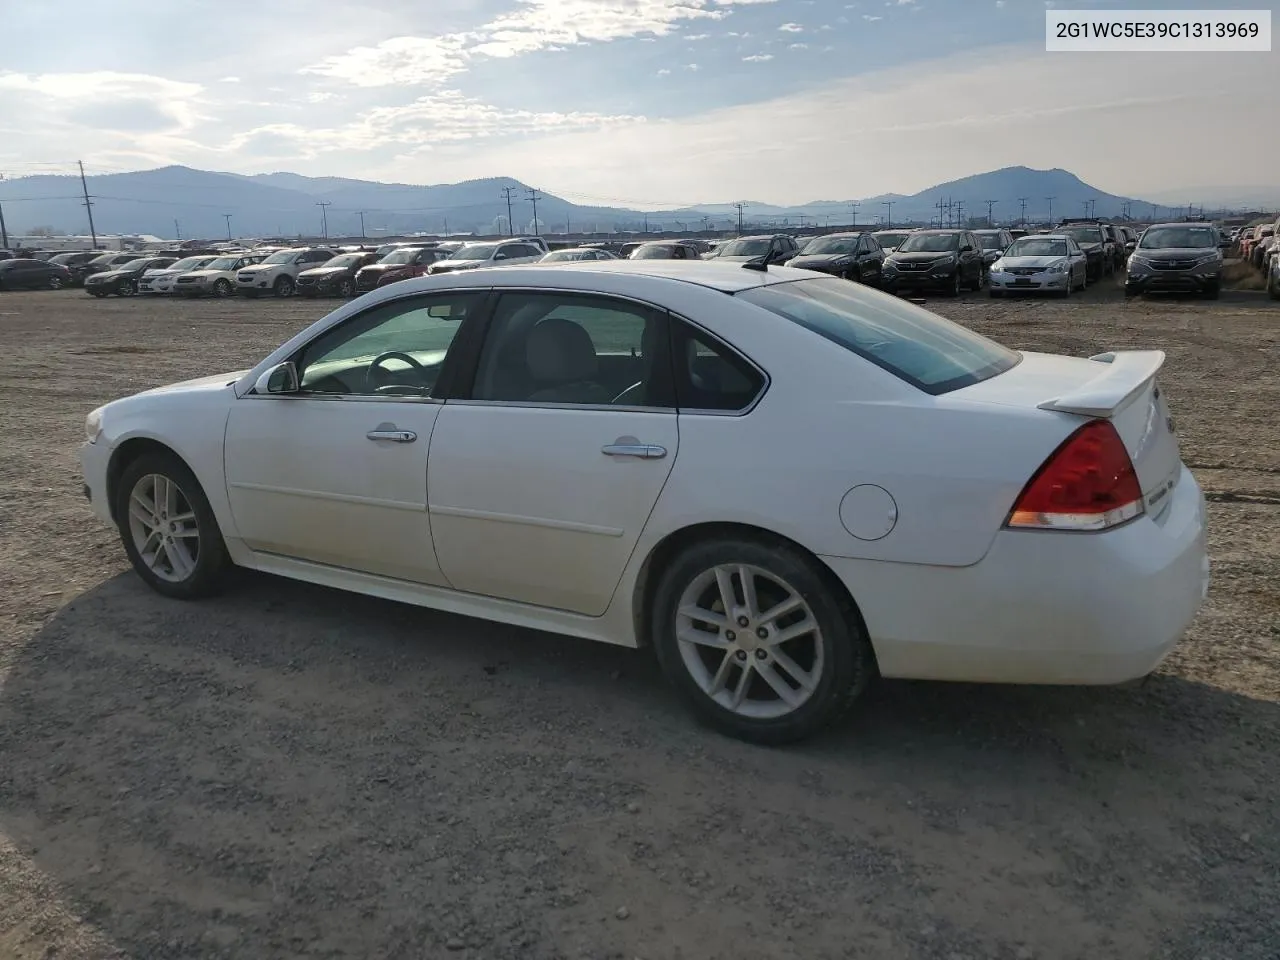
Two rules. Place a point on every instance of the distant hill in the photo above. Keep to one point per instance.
(288, 204)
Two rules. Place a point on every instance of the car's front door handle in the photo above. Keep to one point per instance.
(645, 451)
(395, 436)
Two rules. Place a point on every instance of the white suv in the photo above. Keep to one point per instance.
(278, 273)
(490, 253)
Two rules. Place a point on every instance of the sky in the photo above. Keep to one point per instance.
(642, 103)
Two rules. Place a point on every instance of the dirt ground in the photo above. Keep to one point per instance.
(289, 772)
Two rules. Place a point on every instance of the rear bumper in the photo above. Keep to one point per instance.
(1040, 607)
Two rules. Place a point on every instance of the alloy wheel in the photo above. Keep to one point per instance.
(164, 528)
(750, 641)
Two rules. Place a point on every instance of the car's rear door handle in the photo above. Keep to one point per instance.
(395, 436)
(645, 451)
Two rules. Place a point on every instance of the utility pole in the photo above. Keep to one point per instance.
(1022, 201)
(363, 235)
(854, 207)
(177, 230)
(324, 215)
(960, 214)
(511, 224)
(227, 217)
(1051, 199)
(446, 225)
(4, 233)
(990, 204)
(889, 215)
(534, 198)
(88, 205)
(646, 223)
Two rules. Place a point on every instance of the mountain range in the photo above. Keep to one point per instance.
(181, 201)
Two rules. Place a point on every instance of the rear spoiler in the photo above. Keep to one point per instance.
(1126, 373)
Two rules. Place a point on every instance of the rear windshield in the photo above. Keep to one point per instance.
(922, 348)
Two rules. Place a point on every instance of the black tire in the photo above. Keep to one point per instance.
(954, 289)
(212, 564)
(848, 656)
(1213, 291)
(283, 287)
(1273, 290)
(56, 282)
(346, 288)
(97, 293)
(127, 288)
(222, 288)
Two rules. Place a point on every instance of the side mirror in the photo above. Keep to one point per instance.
(282, 378)
(500, 256)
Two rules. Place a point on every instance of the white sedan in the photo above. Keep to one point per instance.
(1044, 263)
(783, 482)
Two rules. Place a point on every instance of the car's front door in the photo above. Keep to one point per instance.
(541, 480)
(336, 472)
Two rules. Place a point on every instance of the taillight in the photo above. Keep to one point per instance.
(1088, 483)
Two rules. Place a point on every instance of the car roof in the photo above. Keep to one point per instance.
(725, 277)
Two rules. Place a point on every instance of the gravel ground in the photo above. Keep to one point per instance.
(287, 771)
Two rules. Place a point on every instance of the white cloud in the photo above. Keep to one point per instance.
(870, 19)
(664, 72)
(798, 46)
(697, 36)
(691, 66)
(399, 60)
(791, 28)
(229, 80)
(758, 58)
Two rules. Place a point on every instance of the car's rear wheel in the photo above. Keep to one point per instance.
(97, 293)
(222, 288)
(56, 282)
(168, 528)
(758, 641)
(283, 287)
(954, 289)
(346, 288)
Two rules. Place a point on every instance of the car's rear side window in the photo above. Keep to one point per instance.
(922, 348)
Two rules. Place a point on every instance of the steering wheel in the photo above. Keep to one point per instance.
(369, 378)
(632, 396)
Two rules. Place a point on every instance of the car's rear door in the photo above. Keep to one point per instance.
(336, 473)
(542, 477)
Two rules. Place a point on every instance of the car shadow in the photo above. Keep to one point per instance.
(288, 770)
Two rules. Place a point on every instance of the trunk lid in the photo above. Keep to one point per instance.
(1120, 387)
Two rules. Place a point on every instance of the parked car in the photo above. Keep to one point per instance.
(1273, 279)
(1176, 258)
(402, 263)
(100, 263)
(160, 281)
(890, 240)
(215, 279)
(575, 254)
(1261, 243)
(1097, 247)
(1130, 237)
(993, 242)
(854, 256)
(27, 273)
(74, 259)
(336, 277)
(664, 250)
(1071, 550)
(490, 254)
(943, 260)
(1046, 263)
(278, 273)
(124, 280)
(535, 241)
(768, 248)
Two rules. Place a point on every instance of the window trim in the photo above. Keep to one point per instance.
(765, 380)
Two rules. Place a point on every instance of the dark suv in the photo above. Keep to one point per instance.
(946, 260)
(1098, 243)
(1176, 258)
(771, 248)
(854, 256)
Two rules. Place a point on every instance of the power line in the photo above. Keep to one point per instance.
(511, 224)
(227, 217)
(324, 215)
(88, 205)
(740, 206)
(535, 197)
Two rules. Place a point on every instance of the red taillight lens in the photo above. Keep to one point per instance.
(1087, 484)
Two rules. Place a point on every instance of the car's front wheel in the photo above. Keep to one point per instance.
(168, 528)
(283, 287)
(758, 640)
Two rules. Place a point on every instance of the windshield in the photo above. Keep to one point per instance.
(103, 260)
(1084, 234)
(891, 239)
(757, 247)
(474, 251)
(1166, 237)
(561, 255)
(831, 245)
(400, 256)
(190, 263)
(656, 251)
(930, 243)
(346, 260)
(223, 263)
(61, 257)
(989, 241)
(1036, 247)
(284, 256)
(922, 348)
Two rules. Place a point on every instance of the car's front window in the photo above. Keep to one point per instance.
(1188, 237)
(930, 243)
(833, 245)
(891, 239)
(474, 251)
(284, 256)
(756, 247)
(922, 348)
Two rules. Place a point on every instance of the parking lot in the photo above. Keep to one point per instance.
(287, 771)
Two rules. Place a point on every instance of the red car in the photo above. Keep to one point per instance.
(397, 265)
